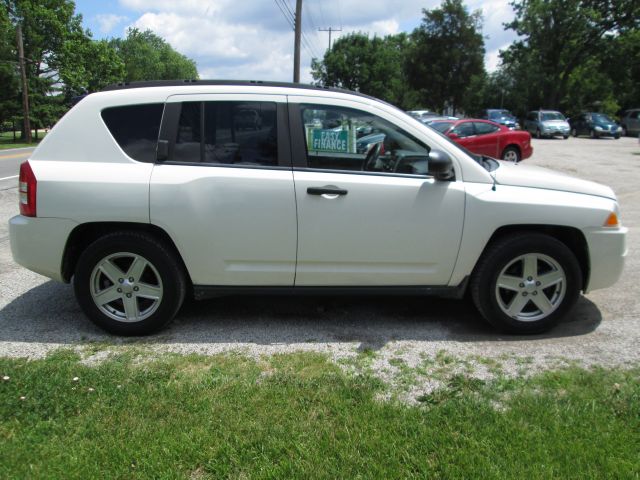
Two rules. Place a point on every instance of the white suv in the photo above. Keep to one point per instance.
(149, 192)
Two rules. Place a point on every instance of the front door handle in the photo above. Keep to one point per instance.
(328, 190)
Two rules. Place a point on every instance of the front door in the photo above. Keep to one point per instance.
(368, 213)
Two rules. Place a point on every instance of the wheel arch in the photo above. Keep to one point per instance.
(572, 237)
(86, 233)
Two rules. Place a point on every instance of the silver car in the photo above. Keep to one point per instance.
(546, 123)
(631, 122)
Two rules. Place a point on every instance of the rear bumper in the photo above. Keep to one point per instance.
(38, 243)
(607, 252)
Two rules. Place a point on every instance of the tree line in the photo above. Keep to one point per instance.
(569, 55)
(63, 60)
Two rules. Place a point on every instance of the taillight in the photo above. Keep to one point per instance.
(28, 186)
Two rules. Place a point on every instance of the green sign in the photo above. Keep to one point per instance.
(336, 141)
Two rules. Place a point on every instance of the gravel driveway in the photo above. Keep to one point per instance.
(38, 315)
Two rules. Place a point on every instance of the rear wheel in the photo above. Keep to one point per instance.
(511, 154)
(574, 132)
(129, 283)
(526, 283)
(593, 134)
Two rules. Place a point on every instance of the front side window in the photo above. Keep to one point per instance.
(229, 133)
(464, 129)
(338, 138)
(135, 128)
(485, 128)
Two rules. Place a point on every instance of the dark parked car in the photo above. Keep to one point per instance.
(487, 138)
(595, 125)
(501, 116)
(631, 122)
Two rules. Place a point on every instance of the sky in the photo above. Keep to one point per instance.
(253, 39)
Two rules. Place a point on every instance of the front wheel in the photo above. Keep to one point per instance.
(129, 283)
(538, 134)
(511, 154)
(526, 283)
(574, 132)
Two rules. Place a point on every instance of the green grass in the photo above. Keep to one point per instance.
(7, 142)
(302, 416)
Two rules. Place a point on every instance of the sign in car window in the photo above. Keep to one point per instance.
(334, 140)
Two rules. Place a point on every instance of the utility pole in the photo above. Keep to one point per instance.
(25, 93)
(296, 50)
(330, 30)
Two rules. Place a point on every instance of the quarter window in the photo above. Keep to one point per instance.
(135, 128)
(230, 133)
(346, 139)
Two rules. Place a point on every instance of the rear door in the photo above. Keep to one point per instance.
(225, 191)
(367, 219)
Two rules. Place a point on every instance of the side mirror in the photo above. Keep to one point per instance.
(440, 165)
(453, 136)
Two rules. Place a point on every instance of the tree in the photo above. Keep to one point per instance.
(9, 93)
(560, 38)
(373, 66)
(146, 56)
(445, 62)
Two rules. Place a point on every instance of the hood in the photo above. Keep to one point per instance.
(521, 175)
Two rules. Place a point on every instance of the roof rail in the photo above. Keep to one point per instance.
(177, 83)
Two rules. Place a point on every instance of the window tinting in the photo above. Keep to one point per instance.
(464, 130)
(135, 128)
(485, 128)
(235, 133)
(340, 138)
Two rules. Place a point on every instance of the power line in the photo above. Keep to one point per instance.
(330, 29)
(284, 14)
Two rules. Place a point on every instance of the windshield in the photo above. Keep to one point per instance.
(499, 114)
(601, 117)
(552, 116)
(441, 126)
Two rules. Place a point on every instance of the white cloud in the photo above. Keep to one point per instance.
(252, 39)
(108, 21)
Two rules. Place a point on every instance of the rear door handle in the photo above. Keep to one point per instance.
(328, 190)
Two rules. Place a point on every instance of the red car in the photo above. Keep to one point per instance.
(487, 138)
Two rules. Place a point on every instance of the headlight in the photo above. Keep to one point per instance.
(619, 129)
(598, 128)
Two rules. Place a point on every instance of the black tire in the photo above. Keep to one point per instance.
(538, 134)
(593, 134)
(565, 136)
(163, 265)
(574, 132)
(510, 151)
(617, 137)
(505, 253)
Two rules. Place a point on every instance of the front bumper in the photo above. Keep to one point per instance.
(607, 252)
(38, 243)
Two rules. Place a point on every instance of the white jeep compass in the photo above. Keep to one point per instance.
(146, 193)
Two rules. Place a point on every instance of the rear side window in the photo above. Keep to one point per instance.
(135, 128)
(230, 133)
